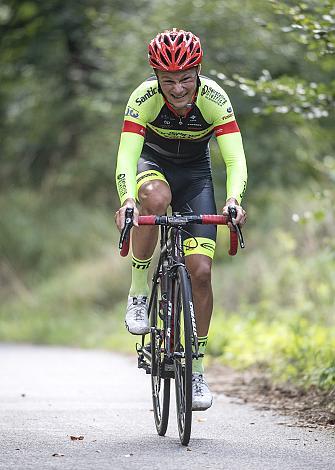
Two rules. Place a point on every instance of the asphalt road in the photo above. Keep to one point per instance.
(48, 395)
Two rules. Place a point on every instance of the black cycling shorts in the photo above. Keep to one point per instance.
(192, 192)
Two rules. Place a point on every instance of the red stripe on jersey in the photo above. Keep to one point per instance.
(129, 126)
(226, 128)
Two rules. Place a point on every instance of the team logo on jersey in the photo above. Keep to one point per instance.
(229, 109)
(149, 93)
(121, 182)
(132, 112)
(243, 190)
(213, 95)
(227, 116)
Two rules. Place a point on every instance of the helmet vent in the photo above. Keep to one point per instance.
(165, 62)
(183, 58)
(168, 53)
(180, 40)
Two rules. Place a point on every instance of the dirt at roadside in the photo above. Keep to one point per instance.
(311, 408)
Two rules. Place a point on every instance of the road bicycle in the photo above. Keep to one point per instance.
(173, 334)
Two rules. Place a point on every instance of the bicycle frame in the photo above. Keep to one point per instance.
(172, 254)
(171, 257)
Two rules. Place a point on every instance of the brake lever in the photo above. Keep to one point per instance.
(128, 223)
(232, 214)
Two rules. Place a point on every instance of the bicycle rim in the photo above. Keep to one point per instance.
(160, 386)
(183, 354)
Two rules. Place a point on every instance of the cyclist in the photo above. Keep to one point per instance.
(164, 160)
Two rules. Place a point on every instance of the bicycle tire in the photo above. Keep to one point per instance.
(160, 387)
(183, 303)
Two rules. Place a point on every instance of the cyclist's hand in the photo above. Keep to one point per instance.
(120, 214)
(241, 216)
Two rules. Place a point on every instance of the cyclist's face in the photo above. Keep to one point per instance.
(178, 87)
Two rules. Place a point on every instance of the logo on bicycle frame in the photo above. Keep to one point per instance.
(194, 326)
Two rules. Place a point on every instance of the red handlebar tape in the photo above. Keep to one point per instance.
(125, 247)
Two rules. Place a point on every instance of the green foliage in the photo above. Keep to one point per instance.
(327, 377)
(40, 233)
(79, 305)
(289, 262)
(290, 348)
(310, 24)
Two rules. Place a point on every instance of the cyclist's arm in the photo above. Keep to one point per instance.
(218, 110)
(130, 148)
(138, 113)
(131, 143)
(229, 139)
(231, 148)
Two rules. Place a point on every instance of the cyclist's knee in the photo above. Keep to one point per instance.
(200, 268)
(155, 197)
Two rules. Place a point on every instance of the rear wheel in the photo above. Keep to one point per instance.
(160, 386)
(183, 303)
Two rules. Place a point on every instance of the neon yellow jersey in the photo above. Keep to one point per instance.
(151, 121)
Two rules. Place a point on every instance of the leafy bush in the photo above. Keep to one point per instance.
(290, 348)
(41, 233)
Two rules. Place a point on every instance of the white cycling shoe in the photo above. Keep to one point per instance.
(137, 320)
(202, 398)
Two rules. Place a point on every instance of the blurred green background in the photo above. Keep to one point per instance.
(67, 69)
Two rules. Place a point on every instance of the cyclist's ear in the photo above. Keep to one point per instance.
(198, 78)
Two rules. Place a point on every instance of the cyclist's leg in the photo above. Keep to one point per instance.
(199, 267)
(199, 252)
(154, 197)
(199, 247)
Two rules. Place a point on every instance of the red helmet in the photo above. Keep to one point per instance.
(175, 50)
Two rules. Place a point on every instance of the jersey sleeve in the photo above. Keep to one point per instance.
(231, 148)
(220, 113)
(139, 112)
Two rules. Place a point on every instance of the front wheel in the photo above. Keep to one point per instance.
(183, 312)
(160, 386)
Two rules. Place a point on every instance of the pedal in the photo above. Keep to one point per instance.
(142, 363)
